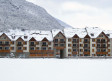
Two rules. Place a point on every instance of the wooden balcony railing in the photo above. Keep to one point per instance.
(101, 52)
(19, 51)
(4, 51)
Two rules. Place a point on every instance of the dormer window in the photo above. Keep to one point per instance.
(92, 34)
(13, 37)
(25, 37)
(108, 35)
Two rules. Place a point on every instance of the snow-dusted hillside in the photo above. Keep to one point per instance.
(55, 70)
(25, 15)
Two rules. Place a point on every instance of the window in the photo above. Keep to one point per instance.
(69, 50)
(108, 50)
(0, 42)
(103, 40)
(12, 48)
(62, 40)
(93, 40)
(31, 48)
(81, 45)
(44, 48)
(104, 45)
(93, 45)
(56, 45)
(101, 36)
(1, 48)
(74, 45)
(86, 45)
(25, 43)
(32, 43)
(98, 50)
(19, 48)
(75, 50)
(103, 50)
(69, 45)
(56, 40)
(49, 43)
(7, 43)
(25, 48)
(25, 37)
(92, 50)
(12, 42)
(85, 50)
(85, 40)
(44, 44)
(19, 43)
(69, 40)
(92, 34)
(62, 45)
(74, 40)
(81, 50)
(80, 40)
(6, 48)
(98, 40)
(98, 45)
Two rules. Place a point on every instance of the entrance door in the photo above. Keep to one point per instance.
(61, 53)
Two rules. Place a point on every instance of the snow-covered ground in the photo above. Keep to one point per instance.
(55, 70)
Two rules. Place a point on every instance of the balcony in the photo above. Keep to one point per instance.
(42, 55)
(75, 41)
(19, 51)
(62, 42)
(4, 44)
(4, 51)
(86, 46)
(42, 51)
(44, 45)
(74, 53)
(103, 41)
(75, 46)
(101, 52)
(86, 53)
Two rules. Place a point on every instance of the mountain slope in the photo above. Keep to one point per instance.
(25, 15)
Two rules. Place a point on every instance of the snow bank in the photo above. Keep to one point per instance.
(55, 70)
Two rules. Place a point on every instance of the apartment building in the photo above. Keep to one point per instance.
(70, 42)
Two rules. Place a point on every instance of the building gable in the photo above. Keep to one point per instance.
(75, 36)
(19, 39)
(32, 39)
(60, 35)
(45, 39)
(87, 36)
(4, 37)
(102, 35)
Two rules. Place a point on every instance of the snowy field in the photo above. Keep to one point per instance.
(55, 69)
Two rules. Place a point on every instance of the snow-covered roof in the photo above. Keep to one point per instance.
(93, 32)
(56, 31)
(108, 33)
(70, 32)
(27, 35)
(39, 35)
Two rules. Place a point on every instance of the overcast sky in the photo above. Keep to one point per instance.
(80, 13)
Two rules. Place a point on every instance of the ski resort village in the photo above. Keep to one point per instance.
(70, 42)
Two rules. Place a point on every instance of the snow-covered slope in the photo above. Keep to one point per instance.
(55, 70)
(64, 24)
(25, 15)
